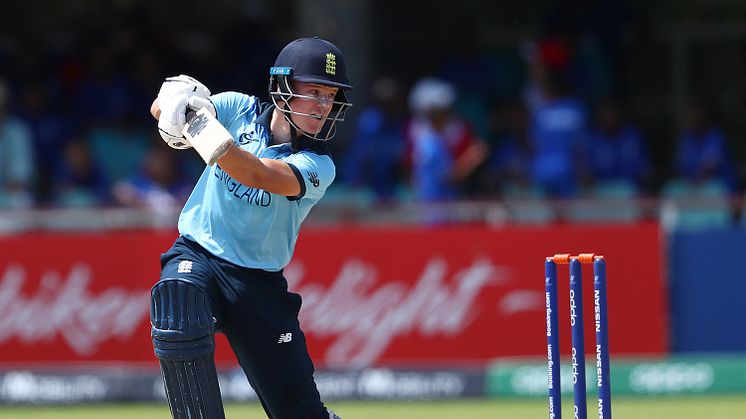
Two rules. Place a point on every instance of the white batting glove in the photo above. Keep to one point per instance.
(175, 111)
(174, 108)
(182, 83)
(172, 119)
(196, 103)
(208, 136)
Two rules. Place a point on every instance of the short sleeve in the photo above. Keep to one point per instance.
(315, 173)
(229, 106)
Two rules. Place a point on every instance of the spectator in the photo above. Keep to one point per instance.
(471, 71)
(79, 181)
(542, 58)
(50, 131)
(617, 150)
(126, 141)
(704, 180)
(443, 149)
(158, 186)
(16, 157)
(112, 127)
(702, 153)
(376, 153)
(558, 128)
(511, 162)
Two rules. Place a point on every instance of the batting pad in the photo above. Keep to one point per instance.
(192, 389)
(182, 330)
(208, 136)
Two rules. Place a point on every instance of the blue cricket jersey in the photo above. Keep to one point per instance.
(246, 226)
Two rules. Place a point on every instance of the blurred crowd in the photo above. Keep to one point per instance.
(75, 129)
(91, 152)
(549, 142)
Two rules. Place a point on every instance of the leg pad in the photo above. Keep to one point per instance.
(182, 331)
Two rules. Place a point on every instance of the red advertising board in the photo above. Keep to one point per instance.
(372, 296)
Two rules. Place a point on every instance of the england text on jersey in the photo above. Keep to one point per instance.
(252, 196)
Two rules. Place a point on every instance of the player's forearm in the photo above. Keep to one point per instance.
(270, 175)
(155, 109)
(242, 166)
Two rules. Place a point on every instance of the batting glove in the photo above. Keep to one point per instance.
(175, 111)
(182, 83)
(172, 119)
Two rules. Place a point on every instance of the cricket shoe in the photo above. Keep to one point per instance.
(332, 415)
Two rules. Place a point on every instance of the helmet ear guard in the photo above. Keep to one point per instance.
(280, 86)
(278, 79)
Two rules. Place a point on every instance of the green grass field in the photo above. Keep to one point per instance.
(710, 407)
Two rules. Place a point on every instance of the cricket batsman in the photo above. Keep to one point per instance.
(267, 165)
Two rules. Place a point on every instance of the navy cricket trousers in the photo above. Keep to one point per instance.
(259, 316)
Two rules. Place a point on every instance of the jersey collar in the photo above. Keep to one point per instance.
(304, 143)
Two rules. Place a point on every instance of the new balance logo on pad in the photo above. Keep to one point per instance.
(285, 337)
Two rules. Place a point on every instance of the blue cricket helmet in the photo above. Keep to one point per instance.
(310, 60)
